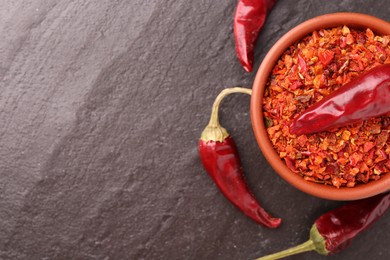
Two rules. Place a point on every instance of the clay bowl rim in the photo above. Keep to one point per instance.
(352, 20)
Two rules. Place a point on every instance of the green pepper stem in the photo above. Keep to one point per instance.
(316, 242)
(214, 120)
(307, 246)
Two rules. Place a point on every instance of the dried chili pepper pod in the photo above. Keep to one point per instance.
(220, 158)
(362, 98)
(335, 230)
(249, 18)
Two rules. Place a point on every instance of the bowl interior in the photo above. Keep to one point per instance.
(352, 20)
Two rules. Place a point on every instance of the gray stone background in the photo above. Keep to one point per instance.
(101, 107)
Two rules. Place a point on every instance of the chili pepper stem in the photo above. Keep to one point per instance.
(307, 246)
(214, 131)
(316, 243)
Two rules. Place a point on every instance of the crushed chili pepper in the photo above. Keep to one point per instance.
(249, 18)
(220, 158)
(334, 231)
(306, 73)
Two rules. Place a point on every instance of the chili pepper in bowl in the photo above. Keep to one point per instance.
(220, 158)
(362, 98)
(249, 18)
(335, 230)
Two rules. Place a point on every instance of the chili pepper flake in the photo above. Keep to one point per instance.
(307, 72)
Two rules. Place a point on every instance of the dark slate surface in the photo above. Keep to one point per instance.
(101, 106)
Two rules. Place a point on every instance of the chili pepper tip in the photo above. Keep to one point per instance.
(247, 67)
(246, 62)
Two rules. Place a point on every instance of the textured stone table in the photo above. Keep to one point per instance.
(101, 106)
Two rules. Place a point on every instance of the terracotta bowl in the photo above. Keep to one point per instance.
(352, 20)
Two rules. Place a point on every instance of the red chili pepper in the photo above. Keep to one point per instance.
(364, 97)
(220, 158)
(335, 230)
(249, 18)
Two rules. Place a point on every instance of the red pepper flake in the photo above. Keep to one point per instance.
(326, 56)
(290, 164)
(302, 64)
(296, 84)
(310, 70)
(350, 39)
(382, 139)
(355, 158)
(368, 146)
(370, 35)
(302, 140)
